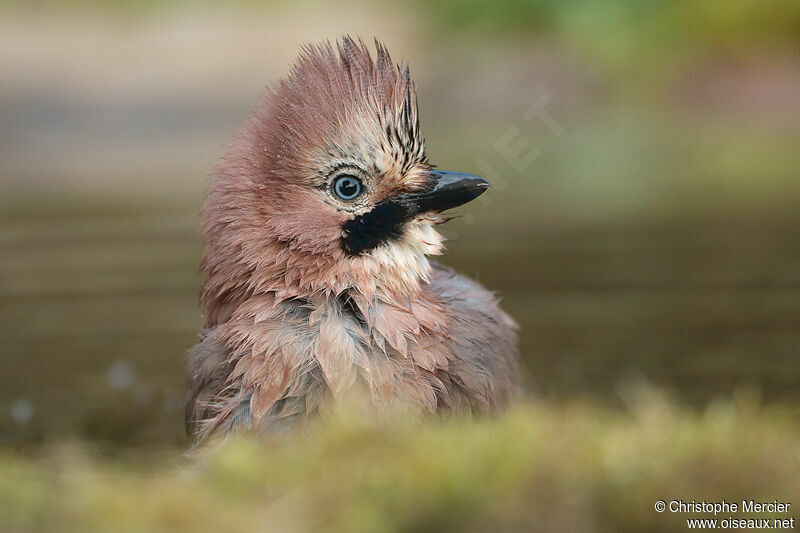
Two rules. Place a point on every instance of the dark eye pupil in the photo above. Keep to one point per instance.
(347, 187)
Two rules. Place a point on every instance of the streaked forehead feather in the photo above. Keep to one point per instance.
(331, 92)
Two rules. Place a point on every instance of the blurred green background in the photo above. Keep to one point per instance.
(643, 226)
(644, 231)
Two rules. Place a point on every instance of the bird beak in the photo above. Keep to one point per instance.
(450, 189)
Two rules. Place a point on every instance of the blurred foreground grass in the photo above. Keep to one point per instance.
(560, 467)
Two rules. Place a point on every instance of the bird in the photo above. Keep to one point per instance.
(319, 225)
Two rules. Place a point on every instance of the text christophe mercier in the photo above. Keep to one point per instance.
(751, 507)
(747, 506)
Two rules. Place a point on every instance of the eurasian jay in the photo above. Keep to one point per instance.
(318, 225)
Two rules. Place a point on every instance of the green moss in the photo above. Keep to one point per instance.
(566, 467)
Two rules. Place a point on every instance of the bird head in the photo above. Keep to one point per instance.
(327, 187)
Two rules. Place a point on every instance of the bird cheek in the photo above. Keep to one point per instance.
(307, 224)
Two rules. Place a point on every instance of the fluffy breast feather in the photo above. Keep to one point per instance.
(450, 348)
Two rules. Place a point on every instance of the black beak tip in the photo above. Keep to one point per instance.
(454, 189)
(450, 189)
(477, 186)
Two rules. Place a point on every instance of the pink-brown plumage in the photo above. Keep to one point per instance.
(307, 296)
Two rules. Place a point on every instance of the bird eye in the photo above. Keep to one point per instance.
(347, 187)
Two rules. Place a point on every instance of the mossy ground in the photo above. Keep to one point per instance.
(569, 467)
